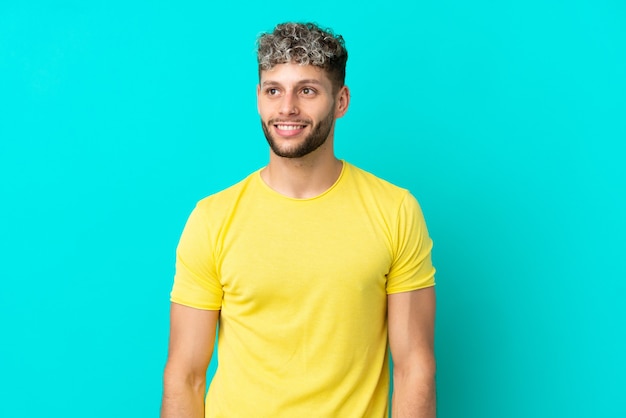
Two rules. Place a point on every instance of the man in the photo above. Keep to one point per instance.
(313, 268)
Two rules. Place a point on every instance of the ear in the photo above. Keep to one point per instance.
(342, 101)
(258, 93)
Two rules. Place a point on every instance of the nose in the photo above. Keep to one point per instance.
(289, 105)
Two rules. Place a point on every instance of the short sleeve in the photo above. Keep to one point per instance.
(412, 267)
(196, 283)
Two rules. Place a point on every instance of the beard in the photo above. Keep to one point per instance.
(313, 141)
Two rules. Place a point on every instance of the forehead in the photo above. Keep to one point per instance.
(290, 73)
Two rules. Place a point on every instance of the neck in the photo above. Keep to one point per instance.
(302, 178)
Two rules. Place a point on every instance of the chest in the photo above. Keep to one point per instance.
(269, 257)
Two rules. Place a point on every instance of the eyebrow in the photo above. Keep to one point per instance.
(306, 81)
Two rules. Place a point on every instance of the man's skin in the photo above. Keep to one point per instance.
(297, 99)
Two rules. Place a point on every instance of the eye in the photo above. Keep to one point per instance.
(307, 91)
(272, 91)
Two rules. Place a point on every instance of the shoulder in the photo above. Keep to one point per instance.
(223, 201)
(394, 201)
(367, 182)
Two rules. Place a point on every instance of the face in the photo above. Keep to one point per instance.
(298, 108)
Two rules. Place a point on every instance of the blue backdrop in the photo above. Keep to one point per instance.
(507, 120)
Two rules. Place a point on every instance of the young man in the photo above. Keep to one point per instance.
(313, 268)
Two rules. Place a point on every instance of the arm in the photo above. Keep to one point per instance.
(192, 335)
(411, 318)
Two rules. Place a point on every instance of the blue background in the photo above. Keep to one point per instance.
(506, 119)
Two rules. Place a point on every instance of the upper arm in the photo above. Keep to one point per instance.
(192, 336)
(411, 318)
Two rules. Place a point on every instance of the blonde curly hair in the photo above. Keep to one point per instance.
(304, 44)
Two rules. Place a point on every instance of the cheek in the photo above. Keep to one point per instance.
(265, 108)
(262, 110)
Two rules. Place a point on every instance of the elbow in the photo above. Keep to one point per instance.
(417, 368)
(176, 379)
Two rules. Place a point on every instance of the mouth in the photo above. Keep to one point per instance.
(289, 129)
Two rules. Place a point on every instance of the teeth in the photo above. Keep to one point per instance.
(289, 127)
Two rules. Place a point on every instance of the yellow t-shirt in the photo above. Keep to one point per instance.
(302, 287)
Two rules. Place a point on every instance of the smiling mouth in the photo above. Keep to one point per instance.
(289, 127)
